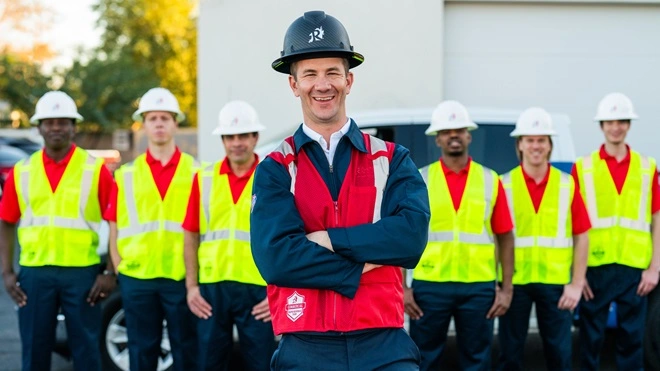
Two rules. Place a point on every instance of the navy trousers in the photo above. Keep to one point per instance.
(380, 349)
(618, 283)
(554, 327)
(232, 304)
(146, 304)
(49, 288)
(468, 303)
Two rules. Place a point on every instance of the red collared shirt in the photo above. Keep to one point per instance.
(619, 172)
(236, 185)
(500, 221)
(10, 211)
(579, 214)
(162, 174)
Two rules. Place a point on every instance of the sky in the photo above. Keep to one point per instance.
(73, 26)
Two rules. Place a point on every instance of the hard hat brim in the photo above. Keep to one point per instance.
(34, 120)
(233, 131)
(137, 116)
(283, 64)
(519, 133)
(632, 116)
(432, 131)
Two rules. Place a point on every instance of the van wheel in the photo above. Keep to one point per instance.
(114, 339)
(652, 332)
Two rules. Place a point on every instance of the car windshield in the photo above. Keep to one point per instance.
(491, 144)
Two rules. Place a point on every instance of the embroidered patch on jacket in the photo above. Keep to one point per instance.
(295, 306)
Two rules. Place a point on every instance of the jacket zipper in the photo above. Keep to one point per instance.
(334, 294)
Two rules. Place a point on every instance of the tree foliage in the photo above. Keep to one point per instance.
(21, 82)
(159, 34)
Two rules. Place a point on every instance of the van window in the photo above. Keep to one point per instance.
(491, 144)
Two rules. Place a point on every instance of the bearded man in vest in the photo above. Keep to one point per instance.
(456, 276)
(620, 189)
(146, 238)
(551, 246)
(336, 214)
(223, 283)
(55, 199)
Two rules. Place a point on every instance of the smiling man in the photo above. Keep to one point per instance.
(55, 199)
(620, 189)
(224, 287)
(456, 276)
(551, 238)
(336, 214)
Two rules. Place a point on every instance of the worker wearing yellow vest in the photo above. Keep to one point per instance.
(146, 238)
(456, 276)
(223, 283)
(55, 198)
(620, 189)
(551, 225)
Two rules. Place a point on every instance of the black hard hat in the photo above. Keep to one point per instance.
(316, 35)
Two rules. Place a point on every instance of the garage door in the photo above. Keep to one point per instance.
(563, 56)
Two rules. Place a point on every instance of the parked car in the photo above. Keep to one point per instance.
(9, 156)
(27, 145)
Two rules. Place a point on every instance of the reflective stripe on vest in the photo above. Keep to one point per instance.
(224, 252)
(150, 236)
(381, 169)
(639, 224)
(621, 222)
(543, 238)
(64, 234)
(461, 247)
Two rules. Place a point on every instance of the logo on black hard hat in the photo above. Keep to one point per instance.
(316, 35)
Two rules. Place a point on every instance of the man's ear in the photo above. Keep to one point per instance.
(294, 85)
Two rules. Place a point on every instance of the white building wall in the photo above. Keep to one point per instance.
(238, 40)
(562, 56)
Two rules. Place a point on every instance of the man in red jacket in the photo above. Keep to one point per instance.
(335, 215)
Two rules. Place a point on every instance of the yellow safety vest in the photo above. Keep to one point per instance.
(461, 246)
(543, 239)
(59, 228)
(620, 223)
(224, 229)
(149, 232)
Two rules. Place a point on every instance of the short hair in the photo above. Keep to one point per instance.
(519, 152)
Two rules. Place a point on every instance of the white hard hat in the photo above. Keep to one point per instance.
(238, 117)
(158, 99)
(533, 121)
(55, 105)
(450, 115)
(615, 106)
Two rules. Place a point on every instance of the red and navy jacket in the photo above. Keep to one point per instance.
(310, 287)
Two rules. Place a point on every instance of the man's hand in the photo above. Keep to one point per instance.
(261, 312)
(587, 294)
(571, 296)
(103, 286)
(322, 238)
(13, 287)
(648, 283)
(200, 307)
(368, 267)
(502, 302)
(409, 304)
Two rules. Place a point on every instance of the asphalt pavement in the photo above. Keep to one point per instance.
(10, 346)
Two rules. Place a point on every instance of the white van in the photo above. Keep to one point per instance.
(491, 144)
